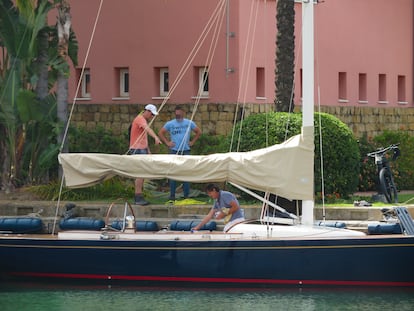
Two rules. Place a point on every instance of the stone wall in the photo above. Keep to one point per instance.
(218, 119)
(371, 121)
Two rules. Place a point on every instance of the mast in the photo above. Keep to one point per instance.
(308, 88)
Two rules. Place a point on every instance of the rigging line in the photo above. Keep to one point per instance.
(241, 78)
(317, 71)
(209, 61)
(251, 36)
(72, 109)
(248, 54)
(265, 62)
(292, 93)
(264, 200)
(81, 75)
(192, 54)
(321, 153)
(195, 50)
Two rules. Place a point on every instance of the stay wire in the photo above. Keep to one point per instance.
(247, 57)
(72, 109)
(197, 46)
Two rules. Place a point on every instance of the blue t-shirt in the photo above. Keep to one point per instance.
(180, 133)
(223, 201)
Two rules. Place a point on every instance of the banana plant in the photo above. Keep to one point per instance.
(27, 121)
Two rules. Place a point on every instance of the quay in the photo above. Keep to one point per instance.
(352, 216)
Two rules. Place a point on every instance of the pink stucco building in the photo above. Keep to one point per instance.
(140, 49)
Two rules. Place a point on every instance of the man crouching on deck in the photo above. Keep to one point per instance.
(225, 206)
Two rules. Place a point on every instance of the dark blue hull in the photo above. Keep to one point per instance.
(376, 261)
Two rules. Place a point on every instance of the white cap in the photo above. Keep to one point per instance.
(151, 108)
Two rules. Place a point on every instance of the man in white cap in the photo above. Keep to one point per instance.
(138, 144)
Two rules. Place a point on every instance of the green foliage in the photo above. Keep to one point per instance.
(208, 144)
(40, 148)
(340, 159)
(27, 123)
(262, 130)
(402, 168)
(96, 140)
(339, 147)
(110, 189)
(368, 179)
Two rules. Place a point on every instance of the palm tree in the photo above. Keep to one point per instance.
(64, 31)
(285, 55)
(28, 118)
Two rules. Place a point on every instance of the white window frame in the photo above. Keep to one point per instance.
(163, 77)
(86, 84)
(203, 89)
(123, 82)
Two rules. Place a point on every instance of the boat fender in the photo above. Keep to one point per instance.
(385, 228)
(187, 225)
(334, 224)
(140, 225)
(21, 224)
(81, 223)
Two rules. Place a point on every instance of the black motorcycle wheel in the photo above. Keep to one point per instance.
(387, 186)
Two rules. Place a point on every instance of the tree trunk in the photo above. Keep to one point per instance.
(64, 25)
(42, 89)
(285, 55)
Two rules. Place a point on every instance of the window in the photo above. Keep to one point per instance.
(401, 90)
(85, 86)
(382, 88)
(362, 88)
(260, 82)
(203, 88)
(124, 82)
(164, 82)
(342, 92)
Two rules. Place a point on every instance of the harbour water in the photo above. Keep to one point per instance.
(36, 297)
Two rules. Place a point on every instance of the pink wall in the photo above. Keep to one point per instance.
(353, 36)
(372, 37)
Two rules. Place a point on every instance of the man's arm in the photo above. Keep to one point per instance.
(197, 133)
(153, 135)
(161, 134)
(205, 220)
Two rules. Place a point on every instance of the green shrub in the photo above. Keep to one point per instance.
(339, 147)
(96, 140)
(368, 179)
(208, 144)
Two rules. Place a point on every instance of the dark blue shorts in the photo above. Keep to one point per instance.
(138, 151)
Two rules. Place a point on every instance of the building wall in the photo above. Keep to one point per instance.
(148, 34)
(369, 38)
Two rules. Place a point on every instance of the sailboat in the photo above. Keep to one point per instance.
(266, 252)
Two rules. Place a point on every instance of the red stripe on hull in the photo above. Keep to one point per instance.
(211, 280)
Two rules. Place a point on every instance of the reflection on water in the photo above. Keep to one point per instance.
(41, 297)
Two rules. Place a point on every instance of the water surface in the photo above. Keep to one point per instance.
(34, 297)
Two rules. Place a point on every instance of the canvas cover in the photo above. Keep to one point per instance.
(285, 169)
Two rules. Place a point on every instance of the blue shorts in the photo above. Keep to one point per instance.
(138, 151)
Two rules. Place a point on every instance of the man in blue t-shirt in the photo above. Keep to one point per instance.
(179, 130)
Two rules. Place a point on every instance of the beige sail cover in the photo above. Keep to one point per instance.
(285, 169)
